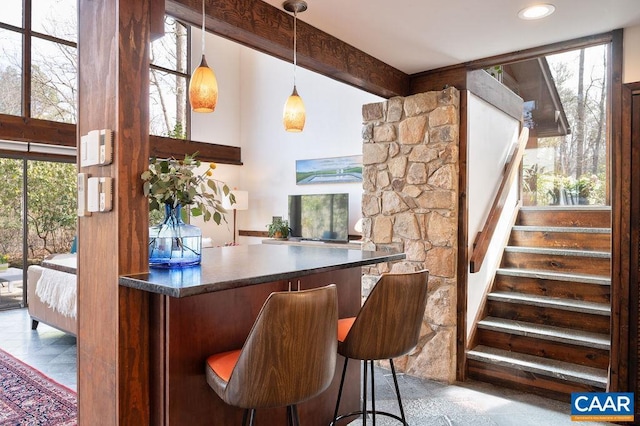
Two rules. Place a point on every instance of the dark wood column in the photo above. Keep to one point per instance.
(629, 159)
(112, 321)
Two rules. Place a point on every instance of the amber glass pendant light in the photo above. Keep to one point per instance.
(294, 114)
(203, 87)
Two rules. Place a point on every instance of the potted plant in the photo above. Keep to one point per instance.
(173, 186)
(558, 191)
(171, 182)
(4, 262)
(279, 228)
(530, 184)
(583, 187)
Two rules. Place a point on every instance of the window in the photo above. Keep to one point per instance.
(10, 72)
(566, 108)
(11, 12)
(53, 81)
(51, 69)
(168, 112)
(54, 63)
(55, 18)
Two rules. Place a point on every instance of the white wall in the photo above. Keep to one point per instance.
(491, 135)
(631, 55)
(253, 88)
(223, 125)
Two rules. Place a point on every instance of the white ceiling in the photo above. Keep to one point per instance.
(420, 35)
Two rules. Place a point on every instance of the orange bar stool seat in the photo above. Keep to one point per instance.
(386, 327)
(288, 357)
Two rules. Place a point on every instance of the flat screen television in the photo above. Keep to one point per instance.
(320, 217)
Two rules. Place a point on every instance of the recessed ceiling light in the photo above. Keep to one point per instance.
(537, 11)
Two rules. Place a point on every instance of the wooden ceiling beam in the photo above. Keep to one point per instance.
(163, 147)
(20, 129)
(258, 25)
(14, 128)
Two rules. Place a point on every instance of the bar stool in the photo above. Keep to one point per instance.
(387, 326)
(288, 357)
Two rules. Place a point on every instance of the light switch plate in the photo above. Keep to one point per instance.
(100, 197)
(82, 195)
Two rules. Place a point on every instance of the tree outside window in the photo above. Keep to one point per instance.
(168, 76)
(572, 169)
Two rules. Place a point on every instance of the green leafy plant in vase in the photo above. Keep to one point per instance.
(279, 228)
(174, 186)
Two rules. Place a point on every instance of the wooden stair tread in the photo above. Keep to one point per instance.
(559, 229)
(572, 208)
(546, 332)
(557, 276)
(558, 252)
(543, 366)
(555, 270)
(551, 302)
(569, 216)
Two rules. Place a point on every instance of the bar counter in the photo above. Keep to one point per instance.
(197, 311)
(224, 268)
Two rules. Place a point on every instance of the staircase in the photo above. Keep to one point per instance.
(547, 317)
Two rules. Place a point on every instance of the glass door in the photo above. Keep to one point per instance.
(46, 226)
(11, 233)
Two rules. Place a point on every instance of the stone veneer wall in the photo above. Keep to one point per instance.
(410, 203)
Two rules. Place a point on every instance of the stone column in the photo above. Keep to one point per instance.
(410, 203)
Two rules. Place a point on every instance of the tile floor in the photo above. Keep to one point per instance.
(47, 349)
(426, 402)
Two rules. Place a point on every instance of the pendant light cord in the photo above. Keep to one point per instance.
(295, 45)
(203, 27)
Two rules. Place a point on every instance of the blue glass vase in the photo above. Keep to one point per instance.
(173, 243)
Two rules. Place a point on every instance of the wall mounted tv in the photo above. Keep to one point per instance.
(320, 217)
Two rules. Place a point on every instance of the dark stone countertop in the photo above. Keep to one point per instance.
(224, 268)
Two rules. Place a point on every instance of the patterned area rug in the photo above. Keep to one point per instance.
(27, 397)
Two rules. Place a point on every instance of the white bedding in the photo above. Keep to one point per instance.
(58, 290)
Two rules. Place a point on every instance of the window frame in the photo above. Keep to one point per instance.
(186, 74)
(27, 34)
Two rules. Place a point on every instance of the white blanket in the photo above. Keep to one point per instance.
(58, 290)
